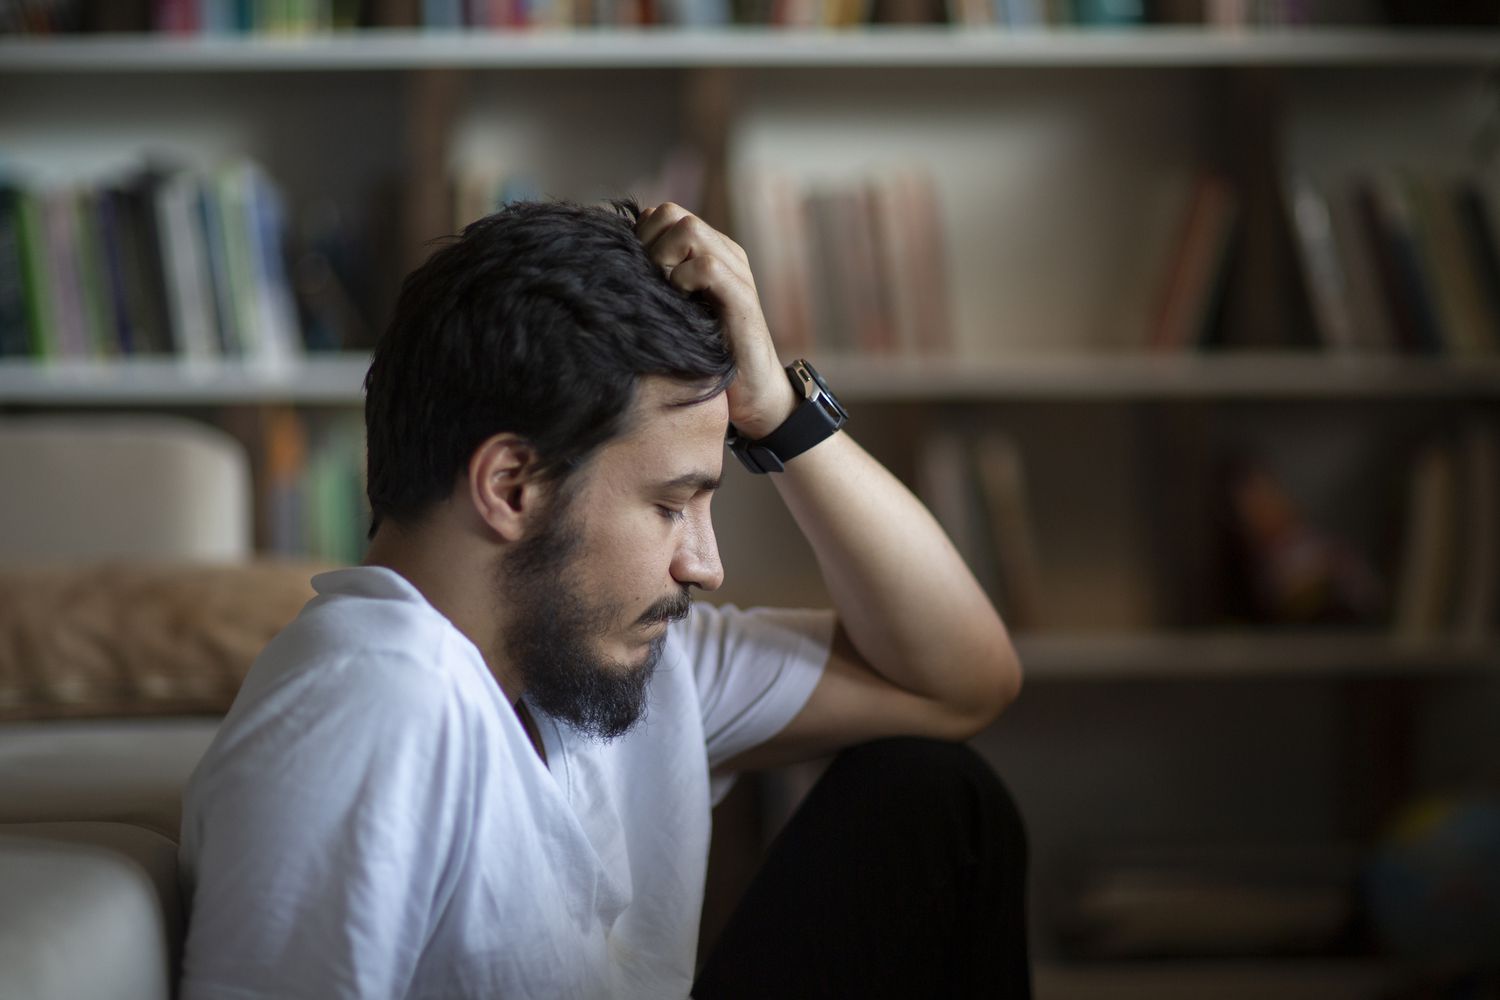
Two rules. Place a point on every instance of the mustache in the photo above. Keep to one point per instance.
(670, 609)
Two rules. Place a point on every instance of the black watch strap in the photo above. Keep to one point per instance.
(817, 418)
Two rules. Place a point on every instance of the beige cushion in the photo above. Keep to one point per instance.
(101, 914)
(92, 487)
(130, 770)
(138, 638)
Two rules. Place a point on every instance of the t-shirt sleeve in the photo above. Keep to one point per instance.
(754, 670)
(320, 847)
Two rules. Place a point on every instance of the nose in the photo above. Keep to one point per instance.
(696, 561)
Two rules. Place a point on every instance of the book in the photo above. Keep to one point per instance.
(782, 238)
(283, 461)
(15, 333)
(112, 254)
(216, 243)
(1323, 269)
(1477, 227)
(231, 208)
(830, 321)
(93, 275)
(1477, 603)
(1198, 266)
(1389, 226)
(1001, 477)
(848, 264)
(145, 285)
(1429, 544)
(866, 281)
(264, 224)
(1459, 303)
(70, 338)
(1369, 312)
(190, 309)
(890, 227)
(34, 278)
(928, 275)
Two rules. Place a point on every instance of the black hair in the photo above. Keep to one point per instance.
(540, 320)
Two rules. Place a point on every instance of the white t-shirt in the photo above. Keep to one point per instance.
(372, 821)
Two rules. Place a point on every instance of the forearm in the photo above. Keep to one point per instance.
(910, 605)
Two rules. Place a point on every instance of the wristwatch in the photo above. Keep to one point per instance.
(817, 417)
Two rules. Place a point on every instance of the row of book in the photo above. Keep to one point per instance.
(309, 480)
(1449, 571)
(1403, 260)
(483, 181)
(299, 17)
(1031, 14)
(1442, 578)
(159, 263)
(853, 266)
(975, 485)
(1392, 261)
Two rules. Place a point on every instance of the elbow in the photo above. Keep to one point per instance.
(1001, 679)
(1006, 680)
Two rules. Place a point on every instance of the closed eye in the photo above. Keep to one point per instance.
(671, 513)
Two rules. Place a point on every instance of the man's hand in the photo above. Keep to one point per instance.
(699, 258)
(920, 650)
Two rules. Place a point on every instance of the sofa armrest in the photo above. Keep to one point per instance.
(99, 913)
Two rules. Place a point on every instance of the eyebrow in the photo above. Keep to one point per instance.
(699, 482)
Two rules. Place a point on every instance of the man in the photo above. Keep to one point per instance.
(482, 764)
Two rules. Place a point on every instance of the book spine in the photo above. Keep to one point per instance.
(1411, 269)
(232, 342)
(141, 198)
(1484, 254)
(113, 256)
(276, 306)
(1396, 290)
(14, 332)
(94, 275)
(1322, 269)
(34, 279)
(62, 272)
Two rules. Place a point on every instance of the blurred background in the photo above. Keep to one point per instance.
(1183, 317)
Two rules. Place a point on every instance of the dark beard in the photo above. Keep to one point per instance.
(552, 630)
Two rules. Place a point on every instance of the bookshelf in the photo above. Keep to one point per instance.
(938, 46)
(337, 379)
(1064, 159)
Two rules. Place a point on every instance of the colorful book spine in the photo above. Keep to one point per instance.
(15, 335)
(171, 264)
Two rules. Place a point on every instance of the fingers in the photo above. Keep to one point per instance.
(672, 235)
(716, 279)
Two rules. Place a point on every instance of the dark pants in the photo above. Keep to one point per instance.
(902, 875)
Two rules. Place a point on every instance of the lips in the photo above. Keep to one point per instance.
(664, 612)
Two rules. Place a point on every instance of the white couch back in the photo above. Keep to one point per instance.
(108, 486)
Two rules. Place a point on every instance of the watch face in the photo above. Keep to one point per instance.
(817, 379)
(826, 393)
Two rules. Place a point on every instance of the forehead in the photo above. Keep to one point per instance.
(667, 435)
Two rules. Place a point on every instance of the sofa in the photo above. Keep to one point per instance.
(130, 607)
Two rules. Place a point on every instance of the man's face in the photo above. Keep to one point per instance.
(591, 592)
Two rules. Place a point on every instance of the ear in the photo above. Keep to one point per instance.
(503, 484)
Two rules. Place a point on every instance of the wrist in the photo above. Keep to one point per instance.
(768, 409)
(770, 440)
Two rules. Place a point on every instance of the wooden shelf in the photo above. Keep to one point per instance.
(339, 379)
(1226, 655)
(334, 380)
(1306, 375)
(754, 47)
